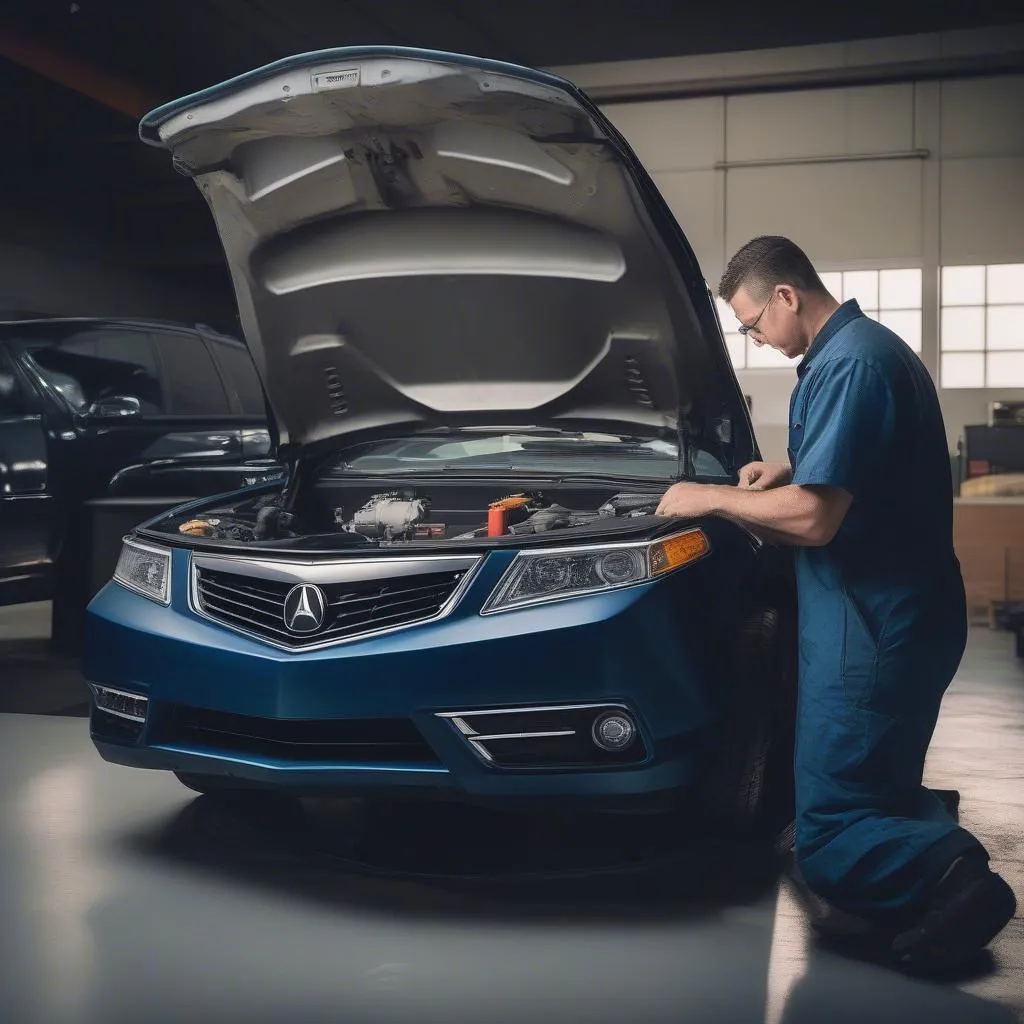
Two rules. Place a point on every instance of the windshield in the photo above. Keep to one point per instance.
(524, 452)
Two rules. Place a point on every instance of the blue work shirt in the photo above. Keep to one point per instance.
(865, 417)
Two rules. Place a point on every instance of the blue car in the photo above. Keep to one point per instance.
(488, 350)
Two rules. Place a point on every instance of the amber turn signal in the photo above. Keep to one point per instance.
(677, 551)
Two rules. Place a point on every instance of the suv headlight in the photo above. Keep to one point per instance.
(146, 569)
(535, 577)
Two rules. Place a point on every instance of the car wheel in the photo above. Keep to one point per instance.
(750, 783)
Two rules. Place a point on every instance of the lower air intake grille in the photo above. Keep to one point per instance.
(256, 605)
(112, 728)
(352, 741)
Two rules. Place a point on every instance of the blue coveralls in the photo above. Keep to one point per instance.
(883, 621)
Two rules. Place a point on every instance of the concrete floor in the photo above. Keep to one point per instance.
(123, 899)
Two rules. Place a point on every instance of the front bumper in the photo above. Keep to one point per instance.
(649, 650)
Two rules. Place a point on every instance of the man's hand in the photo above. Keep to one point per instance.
(687, 500)
(763, 476)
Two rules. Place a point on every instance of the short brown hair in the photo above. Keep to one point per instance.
(765, 262)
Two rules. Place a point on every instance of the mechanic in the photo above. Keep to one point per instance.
(867, 502)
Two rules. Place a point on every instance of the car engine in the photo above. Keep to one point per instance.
(405, 516)
(396, 515)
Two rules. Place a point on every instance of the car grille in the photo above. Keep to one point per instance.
(348, 740)
(256, 605)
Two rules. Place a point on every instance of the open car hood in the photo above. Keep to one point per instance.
(422, 240)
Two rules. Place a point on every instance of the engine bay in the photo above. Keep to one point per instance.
(411, 515)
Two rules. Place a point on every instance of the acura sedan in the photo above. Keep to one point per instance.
(488, 350)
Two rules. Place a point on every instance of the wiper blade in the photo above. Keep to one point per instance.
(591, 448)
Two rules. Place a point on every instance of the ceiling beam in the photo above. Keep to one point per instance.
(75, 73)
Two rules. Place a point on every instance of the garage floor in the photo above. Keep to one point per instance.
(124, 900)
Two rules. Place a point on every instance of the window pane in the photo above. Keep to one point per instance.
(861, 285)
(726, 317)
(135, 361)
(963, 328)
(833, 282)
(963, 286)
(907, 324)
(1005, 327)
(93, 364)
(899, 289)
(192, 381)
(1006, 282)
(963, 370)
(1006, 370)
(766, 357)
(737, 346)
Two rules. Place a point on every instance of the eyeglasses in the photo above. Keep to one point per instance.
(745, 329)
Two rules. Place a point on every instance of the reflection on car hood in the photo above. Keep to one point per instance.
(423, 240)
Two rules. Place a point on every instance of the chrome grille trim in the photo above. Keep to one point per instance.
(462, 722)
(272, 601)
(428, 602)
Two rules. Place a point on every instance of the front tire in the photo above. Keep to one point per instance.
(749, 787)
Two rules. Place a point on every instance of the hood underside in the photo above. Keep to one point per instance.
(422, 240)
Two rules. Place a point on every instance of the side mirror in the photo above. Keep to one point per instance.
(115, 407)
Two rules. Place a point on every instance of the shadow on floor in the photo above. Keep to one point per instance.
(471, 860)
(464, 880)
(34, 680)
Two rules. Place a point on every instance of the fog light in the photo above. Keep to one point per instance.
(118, 702)
(613, 730)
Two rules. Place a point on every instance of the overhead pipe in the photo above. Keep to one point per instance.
(1011, 62)
(75, 73)
(837, 158)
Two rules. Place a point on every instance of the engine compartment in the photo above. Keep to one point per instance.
(349, 515)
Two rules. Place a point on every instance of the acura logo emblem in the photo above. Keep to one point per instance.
(305, 608)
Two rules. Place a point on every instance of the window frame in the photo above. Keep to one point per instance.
(984, 352)
(216, 345)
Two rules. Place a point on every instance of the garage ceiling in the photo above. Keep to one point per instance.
(75, 172)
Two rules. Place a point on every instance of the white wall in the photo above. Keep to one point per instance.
(936, 176)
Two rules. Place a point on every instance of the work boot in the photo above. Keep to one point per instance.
(965, 911)
(832, 922)
(950, 799)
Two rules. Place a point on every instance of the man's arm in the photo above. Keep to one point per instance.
(847, 430)
(807, 516)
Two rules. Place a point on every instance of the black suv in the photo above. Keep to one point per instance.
(104, 423)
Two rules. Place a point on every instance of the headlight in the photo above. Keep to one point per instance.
(535, 577)
(146, 570)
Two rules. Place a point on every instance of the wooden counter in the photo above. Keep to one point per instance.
(989, 537)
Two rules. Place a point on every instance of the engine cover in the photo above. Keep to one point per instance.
(389, 516)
